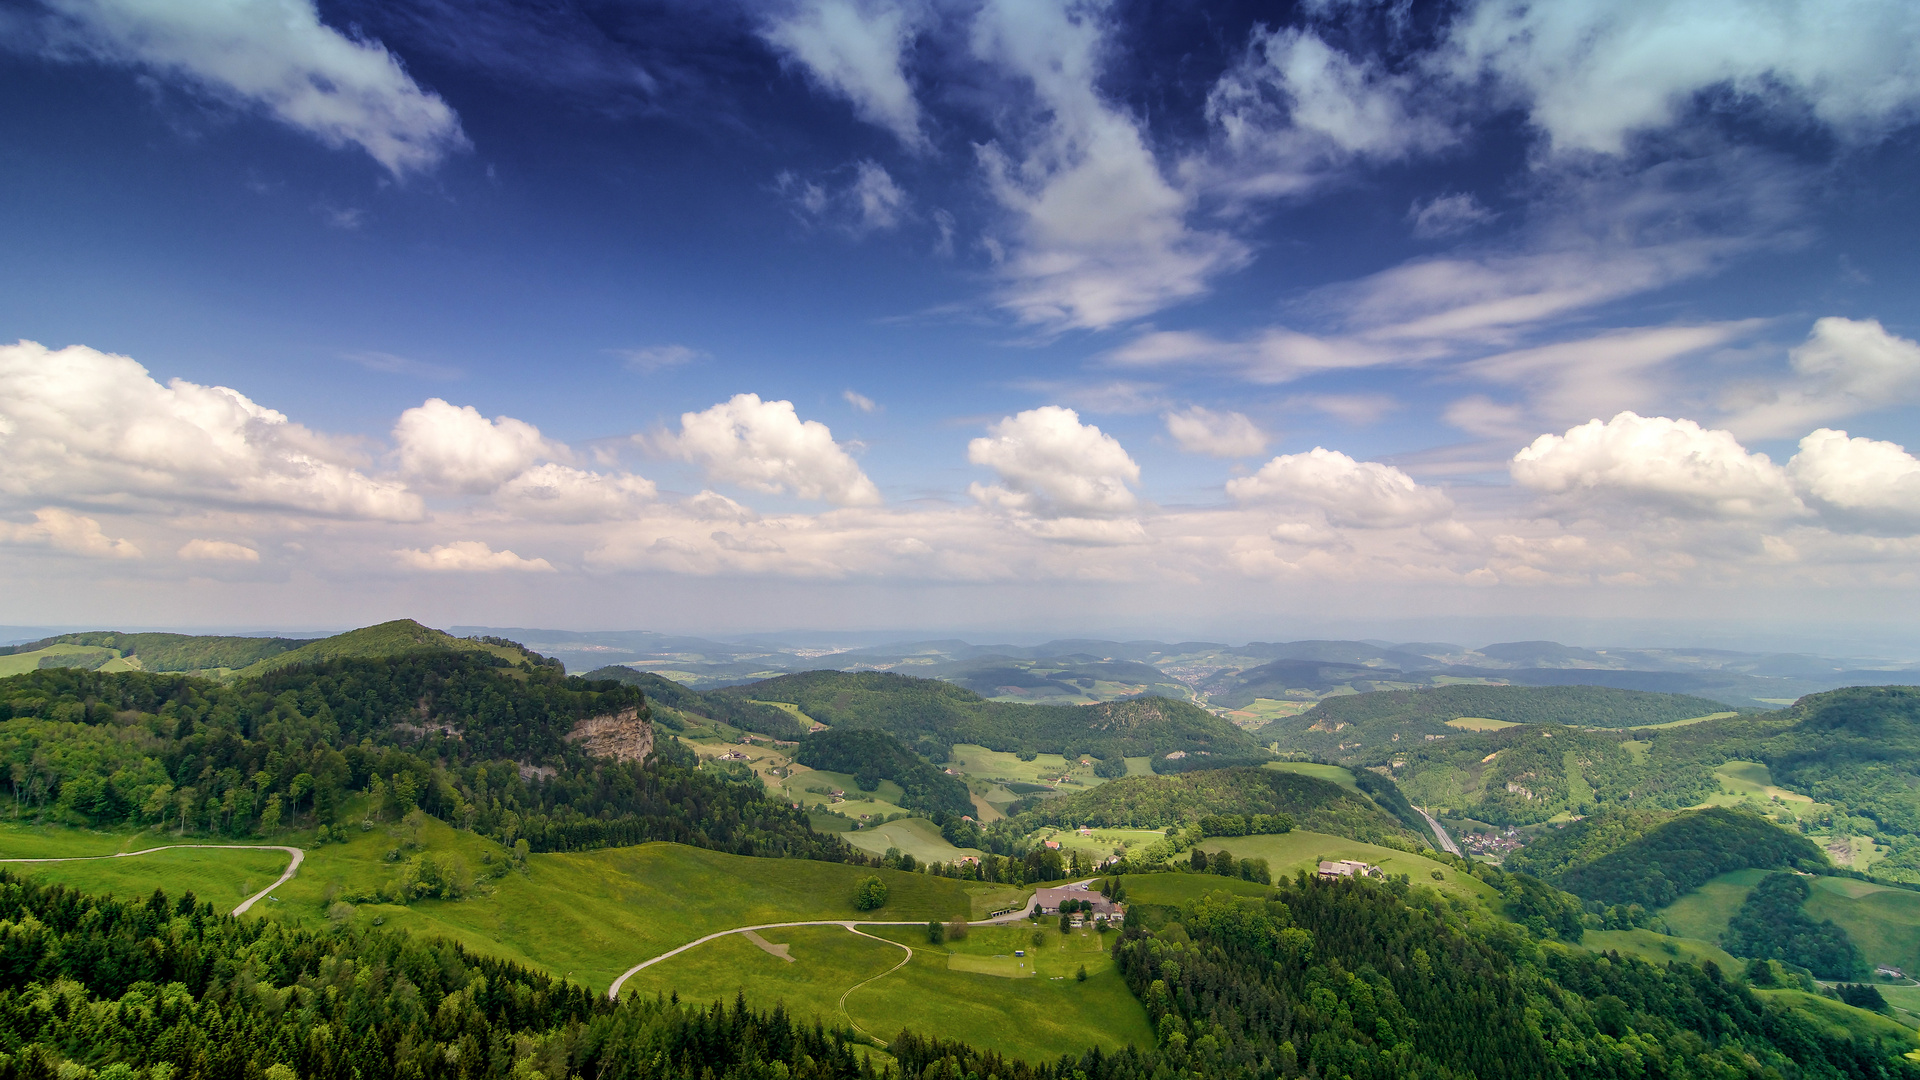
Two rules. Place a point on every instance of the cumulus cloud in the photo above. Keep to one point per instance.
(470, 556)
(765, 446)
(1052, 465)
(1099, 234)
(1846, 366)
(277, 56)
(217, 551)
(857, 50)
(1858, 480)
(453, 446)
(1200, 430)
(81, 424)
(64, 530)
(1360, 494)
(562, 493)
(1661, 462)
(1593, 74)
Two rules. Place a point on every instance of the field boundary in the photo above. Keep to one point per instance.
(293, 865)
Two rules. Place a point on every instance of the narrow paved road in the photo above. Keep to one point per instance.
(1440, 832)
(293, 866)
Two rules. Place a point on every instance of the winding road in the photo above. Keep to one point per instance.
(293, 866)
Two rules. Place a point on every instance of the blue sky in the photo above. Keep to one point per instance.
(1231, 319)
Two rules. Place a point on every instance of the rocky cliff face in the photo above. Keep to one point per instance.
(624, 735)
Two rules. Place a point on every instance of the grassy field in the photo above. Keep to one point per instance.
(1300, 850)
(1844, 1020)
(1674, 723)
(1103, 841)
(223, 877)
(1884, 922)
(916, 836)
(1264, 710)
(21, 663)
(1479, 723)
(1332, 773)
(1172, 890)
(1658, 948)
(1028, 1006)
(1704, 912)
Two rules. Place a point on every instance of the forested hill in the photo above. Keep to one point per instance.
(464, 735)
(1652, 859)
(669, 698)
(1356, 723)
(931, 716)
(164, 652)
(1158, 802)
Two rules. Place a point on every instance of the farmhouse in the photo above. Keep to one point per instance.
(1331, 868)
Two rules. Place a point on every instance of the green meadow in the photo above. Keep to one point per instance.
(1657, 949)
(1302, 850)
(1331, 773)
(916, 836)
(224, 878)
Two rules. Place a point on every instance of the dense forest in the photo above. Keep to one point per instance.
(1376, 980)
(1642, 859)
(1771, 925)
(1373, 720)
(466, 736)
(873, 756)
(1162, 801)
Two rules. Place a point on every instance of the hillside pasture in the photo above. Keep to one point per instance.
(1658, 949)
(1705, 912)
(1884, 922)
(1331, 773)
(916, 836)
(224, 878)
(1287, 853)
(1479, 723)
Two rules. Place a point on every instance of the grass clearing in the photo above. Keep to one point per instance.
(1884, 922)
(1331, 773)
(1705, 912)
(915, 836)
(826, 961)
(1264, 710)
(21, 663)
(1303, 850)
(1658, 949)
(1480, 723)
(1842, 1019)
(223, 877)
(1674, 723)
(1103, 841)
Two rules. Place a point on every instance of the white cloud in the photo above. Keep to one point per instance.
(652, 358)
(217, 551)
(1862, 480)
(275, 55)
(1673, 464)
(81, 424)
(470, 556)
(1052, 465)
(1592, 74)
(1099, 234)
(765, 446)
(1361, 494)
(856, 48)
(1477, 414)
(64, 530)
(1607, 372)
(1447, 215)
(1293, 108)
(1200, 430)
(554, 492)
(1846, 366)
(1356, 409)
(453, 446)
(870, 202)
(859, 401)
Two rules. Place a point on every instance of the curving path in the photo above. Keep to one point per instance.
(293, 866)
(613, 992)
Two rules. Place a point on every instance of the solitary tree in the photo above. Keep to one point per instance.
(870, 893)
(936, 932)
